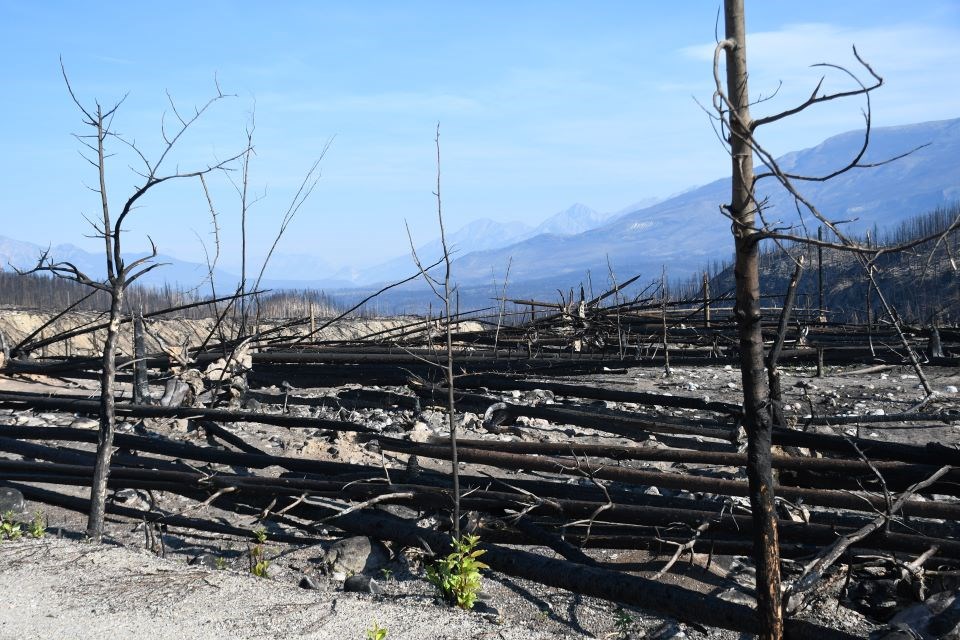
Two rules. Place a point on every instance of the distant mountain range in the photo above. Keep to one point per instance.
(485, 235)
(687, 231)
(683, 232)
(24, 255)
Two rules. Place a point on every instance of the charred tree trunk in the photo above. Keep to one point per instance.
(822, 315)
(98, 491)
(743, 209)
(141, 392)
(773, 373)
(706, 301)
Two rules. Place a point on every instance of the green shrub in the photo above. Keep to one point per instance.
(259, 565)
(38, 527)
(9, 528)
(376, 632)
(457, 576)
(623, 621)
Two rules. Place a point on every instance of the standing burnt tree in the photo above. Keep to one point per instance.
(749, 225)
(734, 109)
(119, 273)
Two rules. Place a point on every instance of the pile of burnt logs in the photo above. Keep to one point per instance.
(575, 496)
(877, 498)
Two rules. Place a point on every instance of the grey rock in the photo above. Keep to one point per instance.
(11, 500)
(204, 560)
(878, 599)
(435, 420)
(538, 396)
(487, 610)
(132, 498)
(937, 617)
(309, 582)
(738, 597)
(356, 555)
(669, 630)
(895, 632)
(360, 583)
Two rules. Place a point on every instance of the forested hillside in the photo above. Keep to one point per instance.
(921, 282)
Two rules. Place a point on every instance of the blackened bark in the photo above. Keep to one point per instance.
(140, 383)
(98, 492)
(773, 373)
(755, 393)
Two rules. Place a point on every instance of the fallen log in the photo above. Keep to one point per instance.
(11, 433)
(92, 407)
(583, 469)
(894, 473)
(265, 490)
(82, 505)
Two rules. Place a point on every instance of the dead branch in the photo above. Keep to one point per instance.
(796, 596)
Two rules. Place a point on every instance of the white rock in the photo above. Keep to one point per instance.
(950, 389)
(420, 432)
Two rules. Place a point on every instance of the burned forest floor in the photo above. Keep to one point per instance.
(158, 579)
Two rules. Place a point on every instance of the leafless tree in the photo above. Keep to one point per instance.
(737, 129)
(98, 136)
(444, 291)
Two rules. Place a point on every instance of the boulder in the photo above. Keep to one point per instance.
(359, 583)
(356, 555)
(11, 500)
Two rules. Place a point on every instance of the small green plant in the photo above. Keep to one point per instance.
(259, 565)
(38, 527)
(386, 573)
(457, 576)
(220, 563)
(376, 632)
(9, 528)
(261, 568)
(623, 621)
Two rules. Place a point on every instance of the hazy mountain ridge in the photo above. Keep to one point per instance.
(683, 232)
(19, 254)
(481, 236)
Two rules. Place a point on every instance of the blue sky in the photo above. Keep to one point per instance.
(541, 104)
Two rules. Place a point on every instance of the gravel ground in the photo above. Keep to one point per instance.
(57, 588)
(63, 589)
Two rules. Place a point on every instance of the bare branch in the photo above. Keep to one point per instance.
(817, 98)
